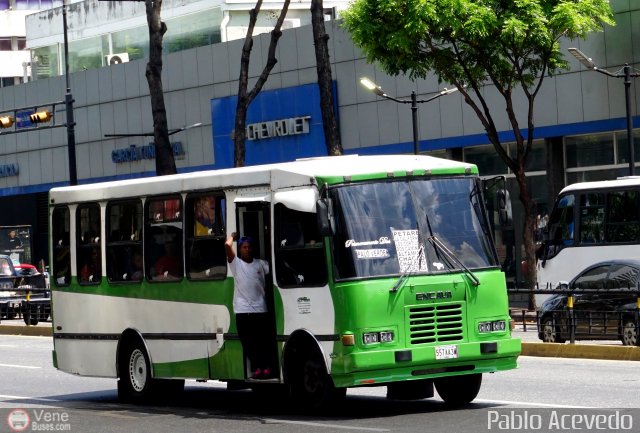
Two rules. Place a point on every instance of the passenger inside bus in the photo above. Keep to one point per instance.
(168, 266)
(90, 271)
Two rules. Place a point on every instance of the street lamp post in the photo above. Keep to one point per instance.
(68, 99)
(627, 75)
(414, 101)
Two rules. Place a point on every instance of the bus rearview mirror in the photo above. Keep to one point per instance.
(323, 218)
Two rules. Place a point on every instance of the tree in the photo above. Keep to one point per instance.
(475, 44)
(165, 162)
(244, 97)
(325, 82)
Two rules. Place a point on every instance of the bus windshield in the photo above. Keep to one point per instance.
(383, 229)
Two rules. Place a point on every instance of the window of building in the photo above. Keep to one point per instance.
(85, 54)
(61, 240)
(163, 258)
(486, 158)
(5, 44)
(124, 241)
(194, 30)
(589, 150)
(46, 62)
(134, 42)
(205, 255)
(299, 253)
(622, 146)
(33, 4)
(88, 244)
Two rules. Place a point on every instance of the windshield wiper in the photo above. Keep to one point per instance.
(408, 271)
(451, 257)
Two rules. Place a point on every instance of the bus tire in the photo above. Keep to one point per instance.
(310, 385)
(629, 333)
(135, 382)
(459, 390)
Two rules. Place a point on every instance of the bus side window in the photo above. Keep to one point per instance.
(561, 227)
(592, 218)
(124, 241)
(623, 219)
(163, 258)
(299, 252)
(88, 246)
(61, 236)
(206, 258)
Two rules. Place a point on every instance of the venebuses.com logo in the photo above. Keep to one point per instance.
(18, 420)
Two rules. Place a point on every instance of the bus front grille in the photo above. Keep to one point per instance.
(435, 323)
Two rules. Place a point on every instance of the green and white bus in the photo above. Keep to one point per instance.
(383, 273)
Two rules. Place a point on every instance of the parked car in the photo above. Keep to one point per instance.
(611, 312)
(15, 280)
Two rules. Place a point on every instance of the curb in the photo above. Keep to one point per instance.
(34, 331)
(584, 351)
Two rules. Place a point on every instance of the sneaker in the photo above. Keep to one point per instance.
(266, 373)
(257, 374)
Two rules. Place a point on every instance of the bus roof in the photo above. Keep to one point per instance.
(321, 170)
(622, 182)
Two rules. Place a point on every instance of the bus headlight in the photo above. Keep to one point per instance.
(493, 326)
(377, 337)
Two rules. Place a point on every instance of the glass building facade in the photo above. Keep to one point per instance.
(184, 32)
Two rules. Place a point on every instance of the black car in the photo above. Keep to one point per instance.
(604, 305)
(16, 280)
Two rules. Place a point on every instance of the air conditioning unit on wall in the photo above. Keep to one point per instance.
(116, 59)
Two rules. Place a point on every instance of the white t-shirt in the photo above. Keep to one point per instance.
(248, 293)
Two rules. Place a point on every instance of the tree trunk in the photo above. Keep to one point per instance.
(323, 66)
(165, 162)
(245, 98)
(528, 231)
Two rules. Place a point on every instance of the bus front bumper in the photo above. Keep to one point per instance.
(385, 366)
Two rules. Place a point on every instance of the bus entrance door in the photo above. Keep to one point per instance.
(254, 222)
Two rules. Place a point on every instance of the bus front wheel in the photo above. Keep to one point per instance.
(311, 386)
(458, 390)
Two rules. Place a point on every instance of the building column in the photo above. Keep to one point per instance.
(555, 168)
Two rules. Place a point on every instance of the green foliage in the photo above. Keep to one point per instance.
(468, 41)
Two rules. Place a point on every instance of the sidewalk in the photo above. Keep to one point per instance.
(18, 327)
(531, 345)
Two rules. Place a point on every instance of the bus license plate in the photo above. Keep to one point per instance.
(446, 352)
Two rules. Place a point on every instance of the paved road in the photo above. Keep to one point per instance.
(30, 382)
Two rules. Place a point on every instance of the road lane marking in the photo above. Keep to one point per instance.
(9, 345)
(317, 424)
(19, 397)
(19, 366)
(528, 403)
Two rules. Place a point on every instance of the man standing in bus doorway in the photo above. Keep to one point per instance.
(249, 304)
